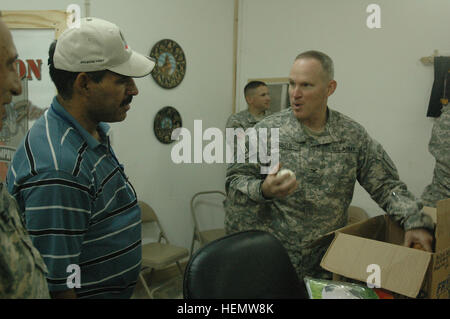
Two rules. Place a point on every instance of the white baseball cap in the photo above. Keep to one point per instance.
(97, 45)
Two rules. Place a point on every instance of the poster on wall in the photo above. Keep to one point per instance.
(32, 47)
(37, 91)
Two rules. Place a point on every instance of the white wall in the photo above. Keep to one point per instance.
(381, 82)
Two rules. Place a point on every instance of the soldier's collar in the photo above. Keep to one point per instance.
(330, 126)
(301, 136)
(298, 135)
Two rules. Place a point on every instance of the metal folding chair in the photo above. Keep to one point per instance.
(159, 254)
(207, 235)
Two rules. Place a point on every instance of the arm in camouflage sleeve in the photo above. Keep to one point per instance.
(235, 184)
(243, 182)
(378, 175)
(254, 171)
(243, 177)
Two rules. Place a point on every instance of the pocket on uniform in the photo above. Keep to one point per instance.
(338, 172)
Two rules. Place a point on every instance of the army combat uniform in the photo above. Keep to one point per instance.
(244, 119)
(326, 167)
(439, 147)
(22, 269)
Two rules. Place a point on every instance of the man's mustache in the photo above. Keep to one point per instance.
(127, 101)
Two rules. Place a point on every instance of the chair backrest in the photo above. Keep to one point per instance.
(356, 214)
(148, 215)
(246, 265)
(194, 217)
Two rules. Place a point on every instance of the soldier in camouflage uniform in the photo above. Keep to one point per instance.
(328, 152)
(439, 147)
(22, 269)
(258, 100)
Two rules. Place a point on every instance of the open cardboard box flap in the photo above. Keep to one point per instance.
(379, 241)
(371, 226)
(402, 270)
(442, 232)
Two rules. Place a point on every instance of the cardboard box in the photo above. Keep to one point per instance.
(405, 271)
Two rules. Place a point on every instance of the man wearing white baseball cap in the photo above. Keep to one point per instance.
(99, 45)
(79, 206)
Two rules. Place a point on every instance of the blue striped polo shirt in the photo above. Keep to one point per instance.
(79, 206)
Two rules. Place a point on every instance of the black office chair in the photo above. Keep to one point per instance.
(247, 265)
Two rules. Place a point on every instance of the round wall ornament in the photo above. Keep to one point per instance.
(166, 121)
(170, 63)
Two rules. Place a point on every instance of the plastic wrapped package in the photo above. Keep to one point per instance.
(328, 289)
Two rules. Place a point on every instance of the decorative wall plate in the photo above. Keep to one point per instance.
(167, 119)
(170, 63)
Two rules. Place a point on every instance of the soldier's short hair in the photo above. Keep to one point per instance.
(325, 61)
(252, 85)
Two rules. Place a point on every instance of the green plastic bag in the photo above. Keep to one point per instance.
(328, 289)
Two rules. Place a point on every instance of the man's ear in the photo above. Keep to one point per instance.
(249, 99)
(331, 87)
(82, 83)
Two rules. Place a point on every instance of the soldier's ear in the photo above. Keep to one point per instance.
(331, 87)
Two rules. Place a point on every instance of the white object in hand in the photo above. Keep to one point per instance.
(284, 172)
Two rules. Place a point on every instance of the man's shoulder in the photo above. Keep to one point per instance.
(51, 145)
(47, 127)
(242, 113)
(55, 137)
(275, 119)
(345, 125)
(239, 115)
(443, 121)
(239, 119)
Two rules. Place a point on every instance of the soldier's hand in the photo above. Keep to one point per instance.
(278, 186)
(419, 236)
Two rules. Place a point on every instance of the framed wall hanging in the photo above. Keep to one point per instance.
(166, 121)
(170, 63)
